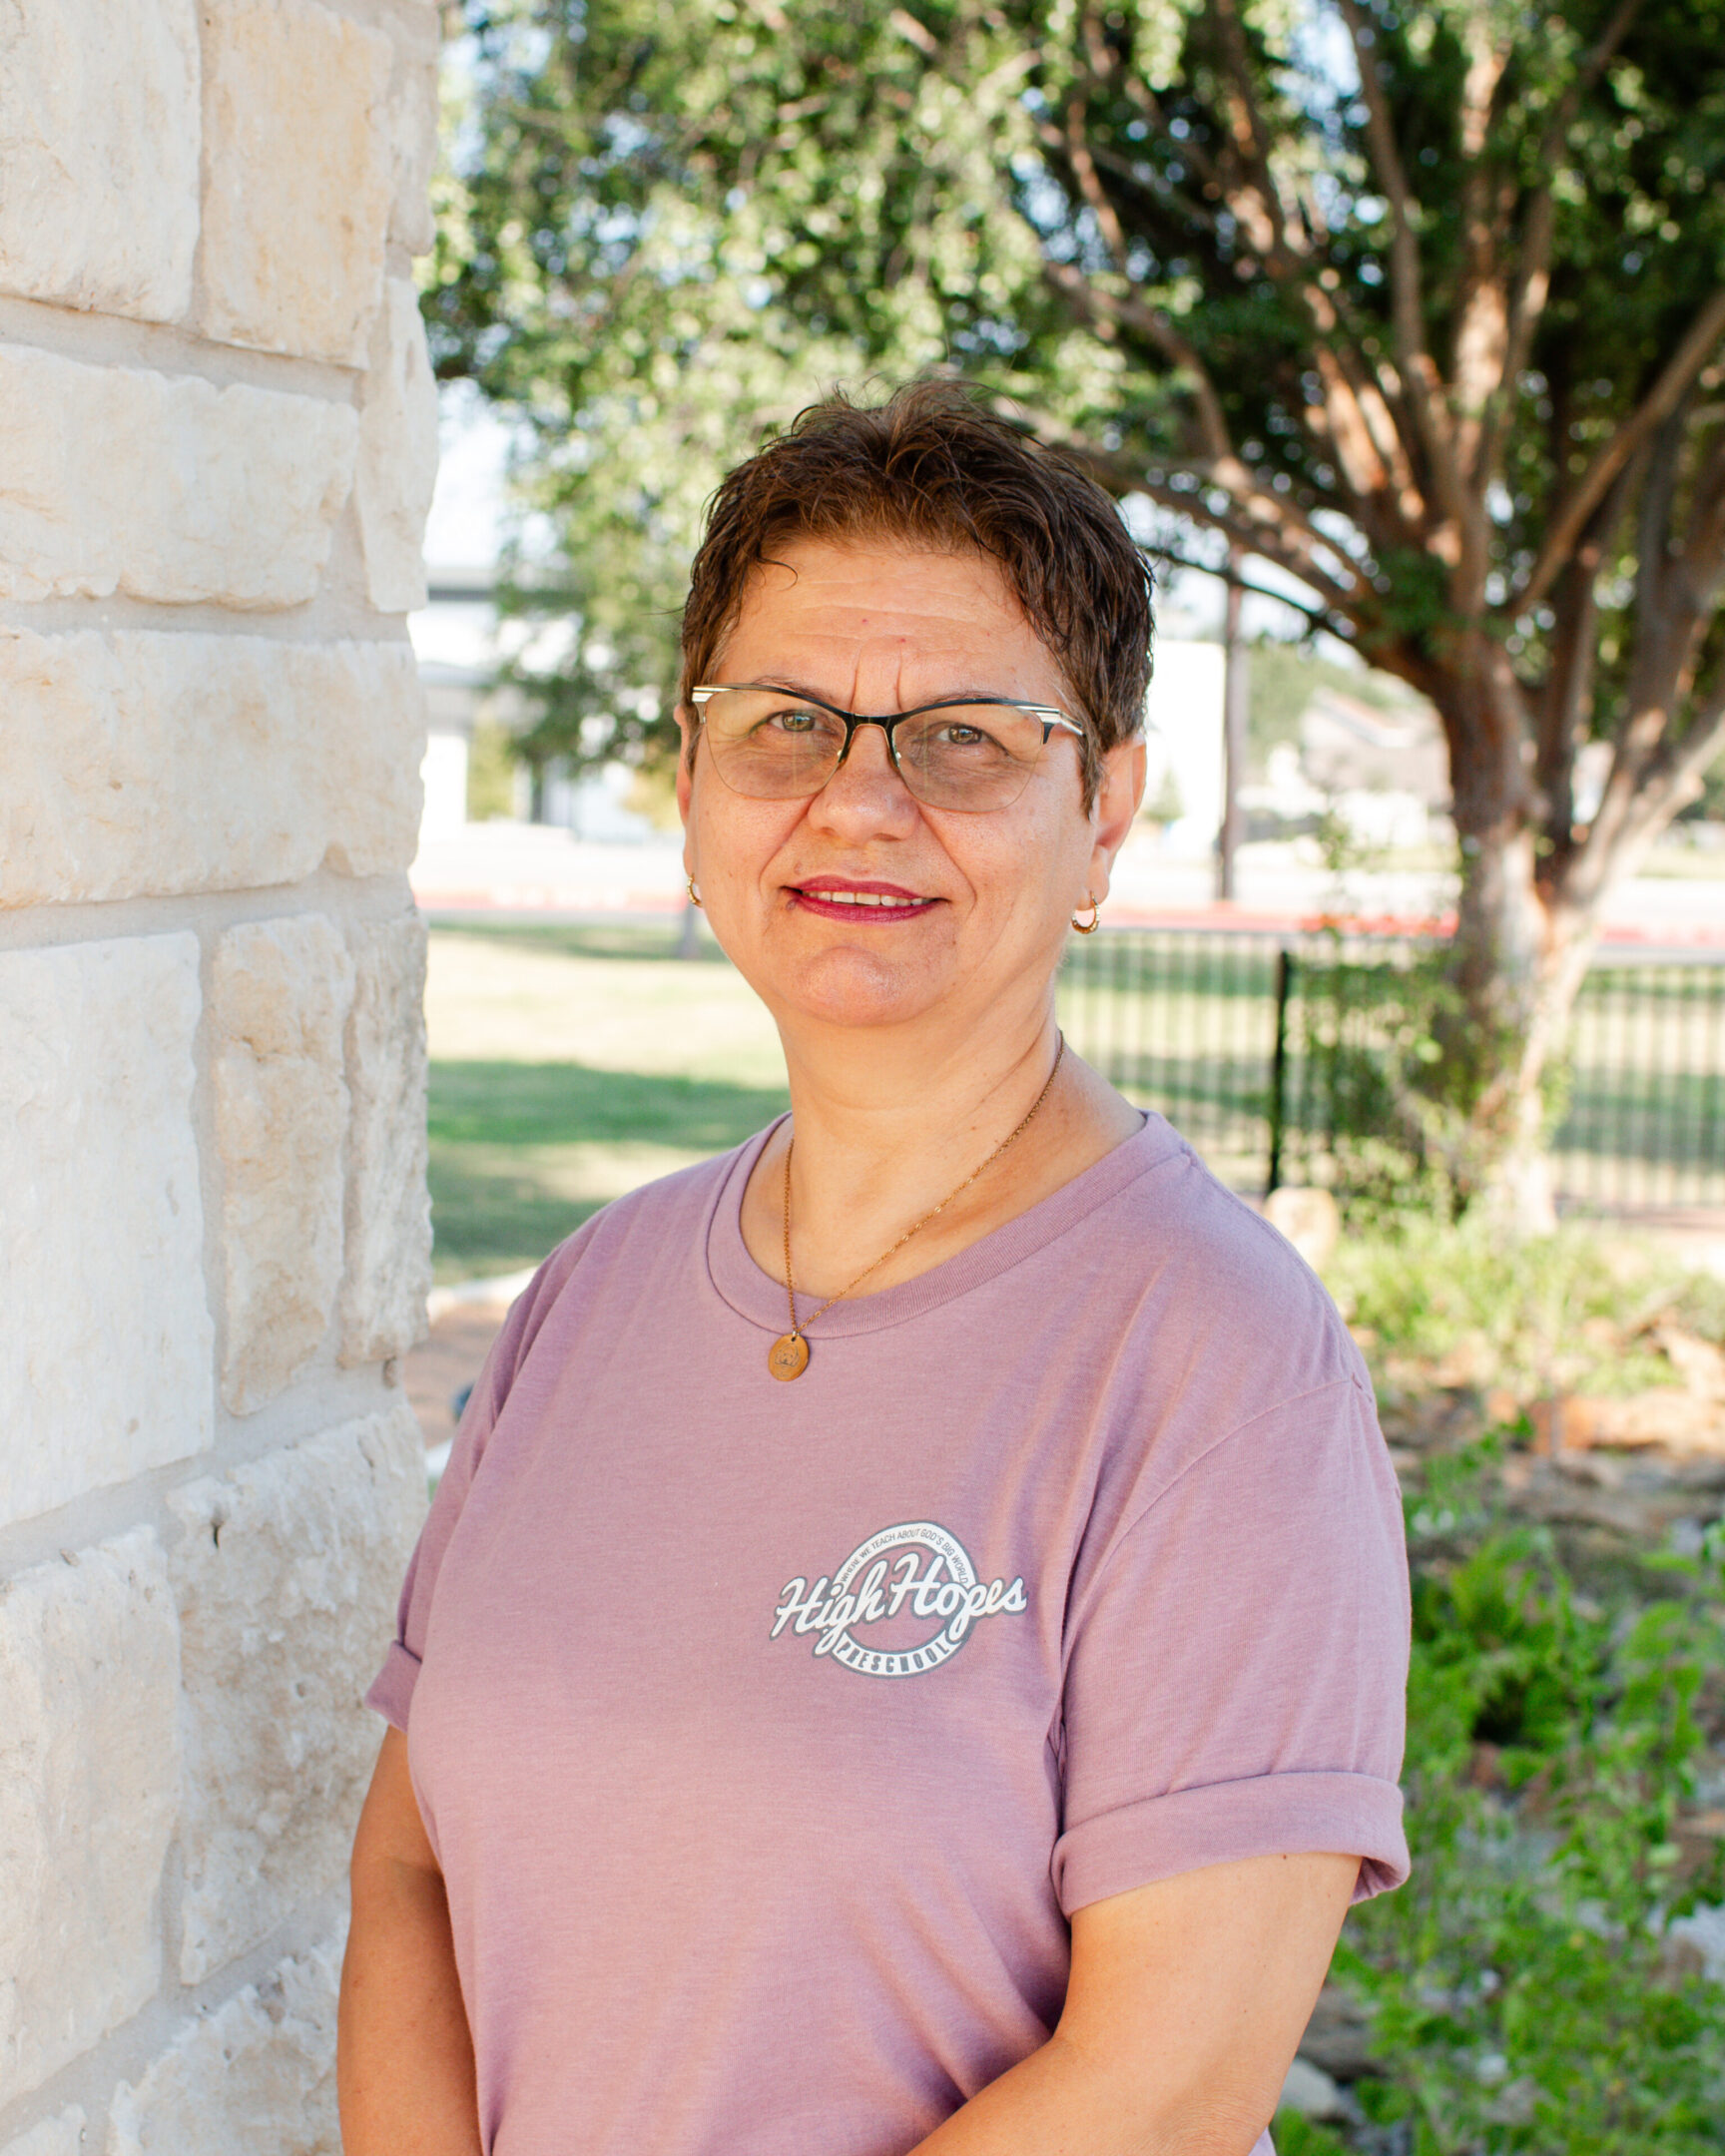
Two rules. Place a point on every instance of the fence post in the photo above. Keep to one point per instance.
(1284, 963)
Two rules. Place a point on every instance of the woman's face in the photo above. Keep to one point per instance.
(881, 628)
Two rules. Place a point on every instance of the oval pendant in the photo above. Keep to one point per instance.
(787, 1357)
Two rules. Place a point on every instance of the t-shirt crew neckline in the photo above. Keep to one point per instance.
(759, 1298)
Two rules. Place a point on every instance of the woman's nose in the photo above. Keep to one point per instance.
(866, 788)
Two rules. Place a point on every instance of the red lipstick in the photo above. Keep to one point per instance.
(860, 900)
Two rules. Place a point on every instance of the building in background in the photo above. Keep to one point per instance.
(461, 642)
(455, 642)
(1183, 737)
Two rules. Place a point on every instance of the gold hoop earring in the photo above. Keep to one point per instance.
(695, 897)
(1090, 926)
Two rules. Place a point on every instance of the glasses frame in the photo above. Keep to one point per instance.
(1051, 714)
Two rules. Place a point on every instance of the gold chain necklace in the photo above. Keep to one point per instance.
(787, 1357)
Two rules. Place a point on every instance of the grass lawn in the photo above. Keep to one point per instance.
(572, 1064)
(569, 1065)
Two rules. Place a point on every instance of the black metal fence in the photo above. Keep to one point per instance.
(1236, 1037)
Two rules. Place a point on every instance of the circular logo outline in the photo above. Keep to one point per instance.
(905, 1661)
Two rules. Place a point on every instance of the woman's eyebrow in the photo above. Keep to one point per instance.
(797, 688)
(963, 695)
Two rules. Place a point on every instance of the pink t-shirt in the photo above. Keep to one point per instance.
(766, 1734)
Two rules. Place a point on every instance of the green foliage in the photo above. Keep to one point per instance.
(668, 227)
(1297, 2137)
(1391, 1110)
(1519, 1989)
(673, 229)
(1544, 1315)
(490, 773)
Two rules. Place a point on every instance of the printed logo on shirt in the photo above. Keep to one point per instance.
(913, 1573)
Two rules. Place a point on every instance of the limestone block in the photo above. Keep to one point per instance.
(300, 176)
(388, 1271)
(281, 994)
(105, 1348)
(98, 135)
(60, 2136)
(89, 1787)
(397, 453)
(413, 145)
(137, 763)
(255, 2078)
(120, 480)
(286, 1577)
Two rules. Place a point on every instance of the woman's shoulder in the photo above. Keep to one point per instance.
(1234, 1366)
(1212, 1269)
(667, 1213)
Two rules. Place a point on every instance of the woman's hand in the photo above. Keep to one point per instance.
(1186, 2003)
(404, 2064)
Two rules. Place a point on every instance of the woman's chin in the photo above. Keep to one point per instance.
(850, 987)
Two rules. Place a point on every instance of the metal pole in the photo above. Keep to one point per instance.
(1234, 707)
(1279, 1068)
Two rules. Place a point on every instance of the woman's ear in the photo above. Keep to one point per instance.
(1117, 798)
(686, 728)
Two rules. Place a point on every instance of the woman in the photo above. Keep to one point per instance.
(907, 1653)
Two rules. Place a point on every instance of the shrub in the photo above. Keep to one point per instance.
(1519, 1987)
(1567, 1313)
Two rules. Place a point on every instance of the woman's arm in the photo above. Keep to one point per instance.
(404, 2062)
(1186, 2003)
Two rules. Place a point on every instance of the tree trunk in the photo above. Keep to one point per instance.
(1518, 962)
(1517, 958)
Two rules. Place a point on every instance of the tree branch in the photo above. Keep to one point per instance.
(1261, 525)
(1667, 393)
(1091, 185)
(1261, 207)
(1419, 375)
(1483, 305)
(1530, 283)
(1320, 617)
(1658, 499)
(1288, 546)
(1641, 795)
(1529, 286)
(1151, 323)
(1568, 688)
(1147, 183)
(1704, 548)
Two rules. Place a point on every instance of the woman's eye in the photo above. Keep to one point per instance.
(794, 722)
(963, 736)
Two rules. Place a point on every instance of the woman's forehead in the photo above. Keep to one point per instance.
(817, 600)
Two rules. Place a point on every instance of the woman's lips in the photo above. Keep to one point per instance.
(855, 902)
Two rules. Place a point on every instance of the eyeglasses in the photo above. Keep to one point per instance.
(967, 753)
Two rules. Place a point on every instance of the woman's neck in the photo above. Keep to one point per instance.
(882, 1131)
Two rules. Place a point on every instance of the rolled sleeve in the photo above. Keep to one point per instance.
(391, 1690)
(1281, 1815)
(1237, 1672)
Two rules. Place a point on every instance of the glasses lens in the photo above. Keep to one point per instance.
(769, 745)
(969, 755)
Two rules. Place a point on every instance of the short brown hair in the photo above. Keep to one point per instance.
(934, 467)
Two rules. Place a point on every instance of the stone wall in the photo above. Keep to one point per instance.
(217, 440)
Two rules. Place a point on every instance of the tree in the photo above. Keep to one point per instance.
(1422, 302)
